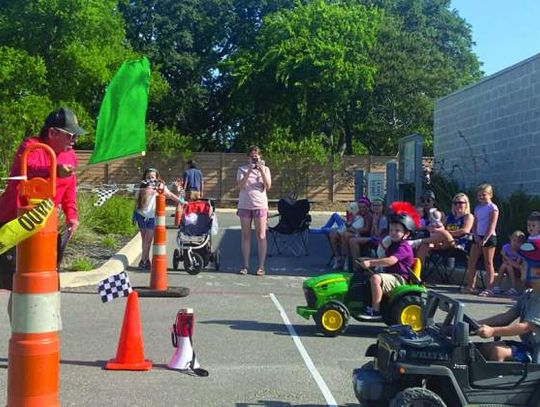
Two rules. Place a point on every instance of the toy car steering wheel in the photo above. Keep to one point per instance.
(366, 270)
(473, 324)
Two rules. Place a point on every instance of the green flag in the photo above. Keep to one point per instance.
(120, 130)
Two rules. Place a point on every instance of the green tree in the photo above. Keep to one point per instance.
(22, 106)
(305, 72)
(187, 40)
(55, 53)
(423, 52)
(81, 43)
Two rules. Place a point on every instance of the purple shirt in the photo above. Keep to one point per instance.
(403, 252)
(482, 213)
(507, 249)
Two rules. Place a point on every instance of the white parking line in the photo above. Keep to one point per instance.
(330, 401)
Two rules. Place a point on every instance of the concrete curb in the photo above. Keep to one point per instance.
(116, 264)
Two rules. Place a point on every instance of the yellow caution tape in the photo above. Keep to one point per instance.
(14, 232)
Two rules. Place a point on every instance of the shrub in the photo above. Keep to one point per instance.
(513, 213)
(113, 217)
(81, 264)
(109, 241)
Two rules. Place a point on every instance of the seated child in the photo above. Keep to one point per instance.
(357, 221)
(527, 309)
(379, 229)
(533, 226)
(397, 263)
(438, 237)
(511, 263)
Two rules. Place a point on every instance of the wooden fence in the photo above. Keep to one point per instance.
(322, 183)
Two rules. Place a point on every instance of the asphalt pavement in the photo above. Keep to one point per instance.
(258, 351)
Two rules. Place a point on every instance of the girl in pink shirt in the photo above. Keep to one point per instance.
(253, 180)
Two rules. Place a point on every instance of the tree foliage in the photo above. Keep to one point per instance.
(306, 70)
(356, 75)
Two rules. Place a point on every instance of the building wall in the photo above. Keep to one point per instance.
(490, 131)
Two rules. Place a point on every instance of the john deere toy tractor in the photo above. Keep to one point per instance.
(333, 298)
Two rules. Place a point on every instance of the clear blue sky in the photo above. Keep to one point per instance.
(505, 31)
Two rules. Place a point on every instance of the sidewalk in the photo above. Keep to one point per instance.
(116, 264)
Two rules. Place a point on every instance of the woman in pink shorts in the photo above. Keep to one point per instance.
(253, 180)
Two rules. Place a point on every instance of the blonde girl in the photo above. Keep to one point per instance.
(486, 214)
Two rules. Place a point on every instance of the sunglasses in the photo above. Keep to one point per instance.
(459, 203)
(72, 137)
(426, 200)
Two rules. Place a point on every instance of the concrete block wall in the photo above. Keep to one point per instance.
(490, 131)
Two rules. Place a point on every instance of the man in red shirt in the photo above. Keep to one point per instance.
(59, 131)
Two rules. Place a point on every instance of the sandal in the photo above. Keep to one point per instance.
(467, 290)
(486, 293)
(244, 271)
(260, 272)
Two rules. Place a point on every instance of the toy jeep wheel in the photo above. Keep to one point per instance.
(195, 265)
(176, 259)
(407, 310)
(417, 396)
(332, 318)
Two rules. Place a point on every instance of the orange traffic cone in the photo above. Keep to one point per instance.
(130, 352)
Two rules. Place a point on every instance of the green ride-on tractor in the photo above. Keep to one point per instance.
(333, 298)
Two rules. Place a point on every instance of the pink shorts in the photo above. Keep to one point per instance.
(252, 213)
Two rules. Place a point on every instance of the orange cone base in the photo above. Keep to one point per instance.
(114, 365)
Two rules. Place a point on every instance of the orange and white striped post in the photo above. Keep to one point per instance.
(34, 347)
(158, 277)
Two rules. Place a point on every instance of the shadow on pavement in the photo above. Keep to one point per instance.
(281, 265)
(365, 331)
(271, 403)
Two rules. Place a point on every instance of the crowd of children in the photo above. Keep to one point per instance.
(404, 229)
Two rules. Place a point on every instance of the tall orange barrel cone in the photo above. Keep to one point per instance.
(158, 278)
(34, 347)
(130, 352)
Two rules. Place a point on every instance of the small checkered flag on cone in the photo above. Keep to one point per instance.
(115, 286)
(104, 194)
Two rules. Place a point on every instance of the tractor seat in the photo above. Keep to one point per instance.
(416, 270)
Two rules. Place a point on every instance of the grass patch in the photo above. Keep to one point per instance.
(81, 264)
(109, 242)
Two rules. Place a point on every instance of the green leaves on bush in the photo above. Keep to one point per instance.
(113, 217)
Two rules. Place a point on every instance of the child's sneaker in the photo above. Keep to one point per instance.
(511, 292)
(371, 315)
(337, 263)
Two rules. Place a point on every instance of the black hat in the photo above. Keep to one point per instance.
(429, 194)
(64, 119)
(406, 221)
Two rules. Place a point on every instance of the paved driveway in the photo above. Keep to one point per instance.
(247, 334)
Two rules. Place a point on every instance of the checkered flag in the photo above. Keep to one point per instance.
(115, 286)
(104, 194)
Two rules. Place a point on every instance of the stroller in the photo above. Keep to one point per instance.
(194, 238)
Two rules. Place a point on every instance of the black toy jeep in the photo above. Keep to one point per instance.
(440, 366)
